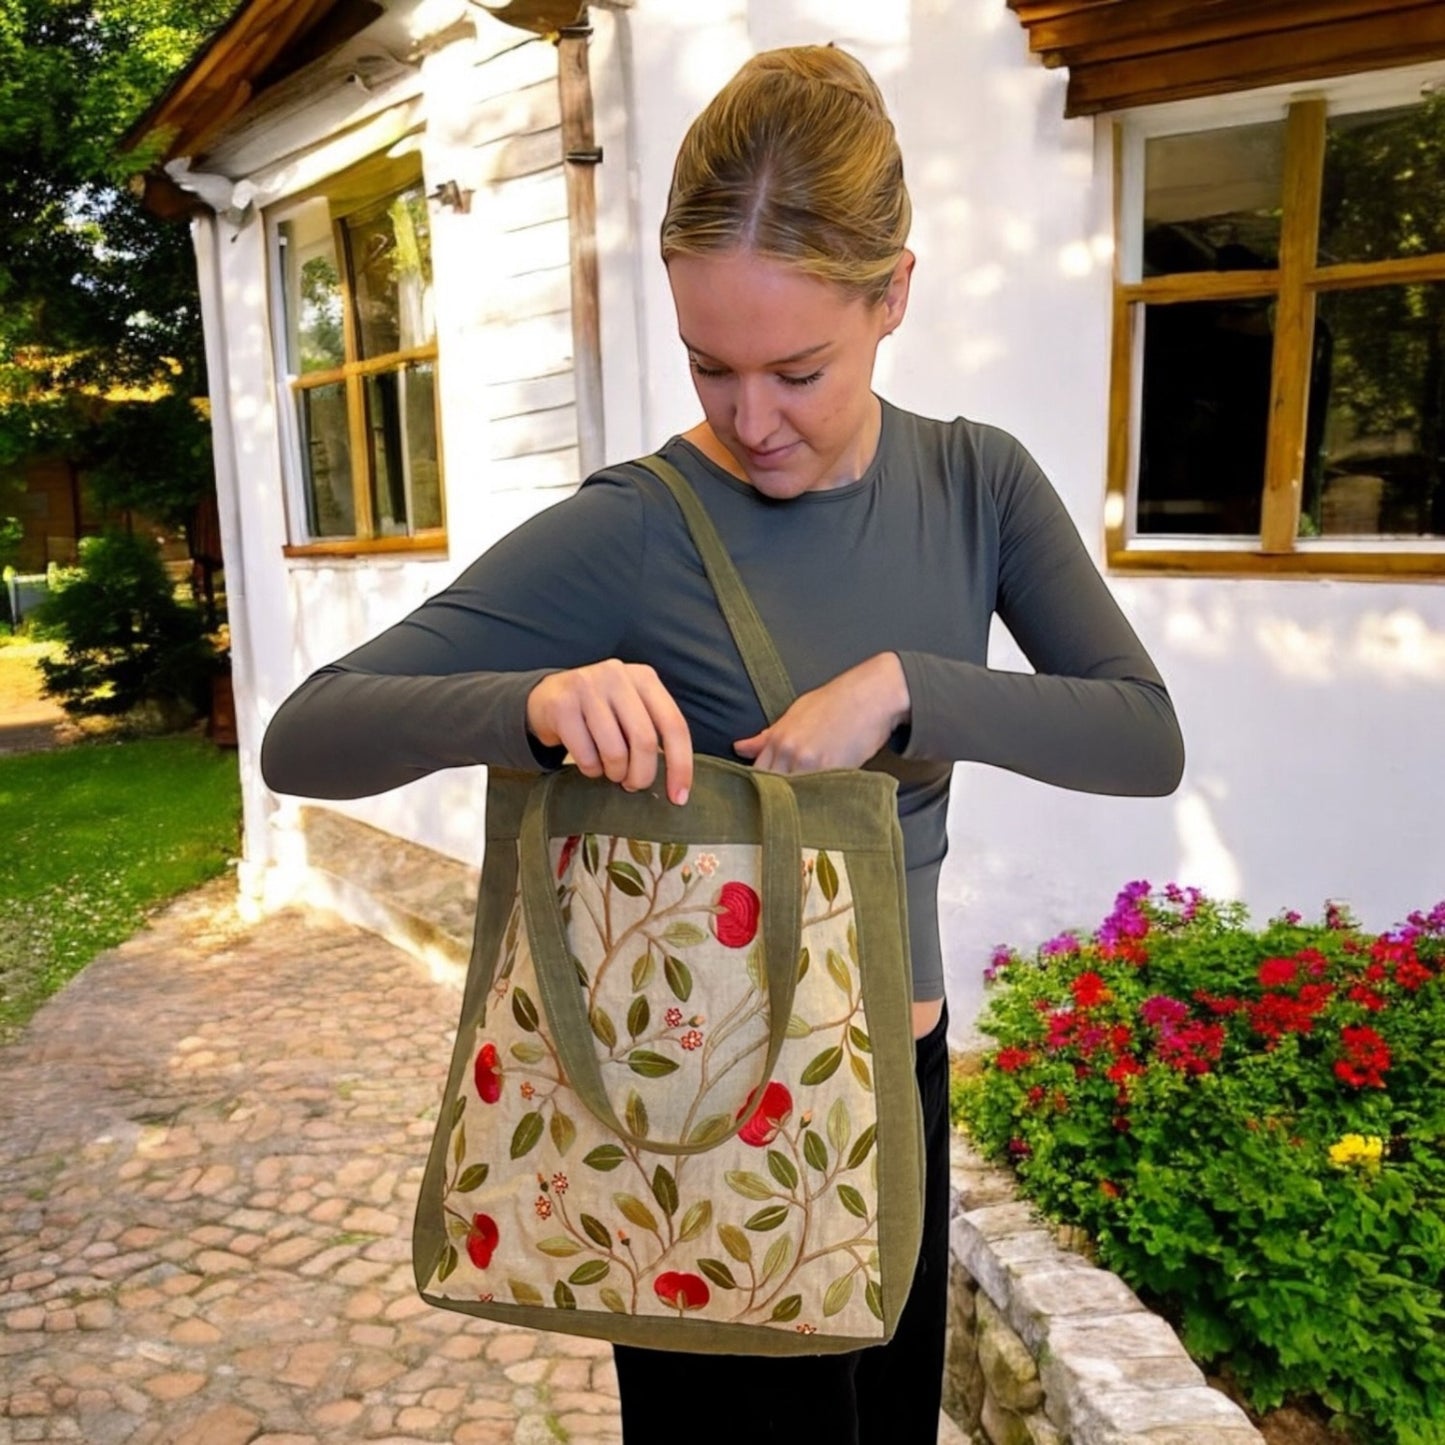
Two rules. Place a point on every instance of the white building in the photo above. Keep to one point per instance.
(1192, 263)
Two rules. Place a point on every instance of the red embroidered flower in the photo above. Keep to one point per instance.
(488, 1074)
(681, 1291)
(772, 1113)
(543, 1206)
(559, 1183)
(482, 1240)
(692, 1039)
(735, 924)
(569, 847)
(528, 1088)
(673, 1017)
(1088, 990)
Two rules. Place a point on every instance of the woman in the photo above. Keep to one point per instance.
(877, 546)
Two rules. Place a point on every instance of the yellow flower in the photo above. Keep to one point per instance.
(1358, 1151)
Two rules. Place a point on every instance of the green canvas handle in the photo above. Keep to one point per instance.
(764, 667)
(781, 926)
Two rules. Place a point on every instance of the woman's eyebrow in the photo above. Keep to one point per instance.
(792, 360)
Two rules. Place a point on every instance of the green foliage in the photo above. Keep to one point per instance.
(153, 458)
(1250, 1126)
(127, 641)
(96, 836)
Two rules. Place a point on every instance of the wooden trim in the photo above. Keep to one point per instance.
(1358, 274)
(391, 361)
(1294, 326)
(1304, 562)
(1203, 286)
(1121, 377)
(430, 541)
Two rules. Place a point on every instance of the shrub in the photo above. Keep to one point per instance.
(128, 643)
(1249, 1124)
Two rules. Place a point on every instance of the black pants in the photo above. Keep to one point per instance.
(887, 1395)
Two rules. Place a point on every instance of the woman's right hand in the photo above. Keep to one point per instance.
(614, 718)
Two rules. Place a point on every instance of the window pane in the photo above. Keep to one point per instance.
(326, 450)
(391, 264)
(1378, 384)
(1384, 184)
(312, 292)
(1205, 414)
(401, 423)
(1212, 199)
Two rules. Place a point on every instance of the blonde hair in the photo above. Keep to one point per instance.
(795, 159)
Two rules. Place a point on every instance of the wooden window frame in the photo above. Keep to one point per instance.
(1295, 284)
(347, 193)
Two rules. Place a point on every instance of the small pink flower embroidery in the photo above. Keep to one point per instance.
(528, 1088)
(488, 1074)
(673, 1017)
(807, 1329)
(682, 1291)
(706, 864)
(543, 1207)
(735, 924)
(772, 1113)
(559, 1183)
(692, 1039)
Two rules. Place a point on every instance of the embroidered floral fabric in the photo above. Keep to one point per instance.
(776, 1226)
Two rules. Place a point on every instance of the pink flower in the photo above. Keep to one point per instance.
(682, 1291)
(735, 924)
(1161, 1011)
(692, 1039)
(543, 1206)
(774, 1110)
(488, 1074)
(673, 1017)
(559, 1183)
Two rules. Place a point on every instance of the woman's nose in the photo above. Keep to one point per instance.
(755, 417)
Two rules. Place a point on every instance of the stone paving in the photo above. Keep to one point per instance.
(210, 1145)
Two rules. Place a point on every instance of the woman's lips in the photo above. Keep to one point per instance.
(771, 456)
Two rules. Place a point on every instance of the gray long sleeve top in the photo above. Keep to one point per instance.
(951, 523)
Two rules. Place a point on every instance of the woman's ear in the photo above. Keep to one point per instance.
(895, 299)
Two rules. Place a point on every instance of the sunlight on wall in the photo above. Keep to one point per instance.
(1204, 859)
(1199, 635)
(1400, 644)
(862, 21)
(1303, 654)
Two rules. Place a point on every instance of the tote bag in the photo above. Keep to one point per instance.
(681, 1109)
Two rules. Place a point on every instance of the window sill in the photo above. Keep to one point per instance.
(1314, 561)
(423, 542)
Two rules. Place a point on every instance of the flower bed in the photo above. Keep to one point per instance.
(1250, 1125)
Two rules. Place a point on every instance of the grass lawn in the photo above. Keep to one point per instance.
(93, 838)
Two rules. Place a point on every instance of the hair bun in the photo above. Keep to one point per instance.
(825, 65)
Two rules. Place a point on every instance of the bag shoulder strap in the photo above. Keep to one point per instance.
(760, 657)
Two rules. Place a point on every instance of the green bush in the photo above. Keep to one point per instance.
(128, 644)
(1251, 1126)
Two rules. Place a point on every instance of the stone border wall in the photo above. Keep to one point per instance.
(1047, 1349)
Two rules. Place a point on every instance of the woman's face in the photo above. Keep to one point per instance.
(783, 366)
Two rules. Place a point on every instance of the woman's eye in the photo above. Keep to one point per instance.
(710, 371)
(800, 380)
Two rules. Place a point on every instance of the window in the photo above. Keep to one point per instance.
(1278, 385)
(359, 357)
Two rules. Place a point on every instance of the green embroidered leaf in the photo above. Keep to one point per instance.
(626, 879)
(559, 1246)
(526, 1052)
(473, 1177)
(861, 1041)
(595, 1230)
(782, 1169)
(765, 1219)
(563, 1296)
(457, 1229)
(748, 1184)
(603, 1027)
(526, 1134)
(593, 1272)
(649, 1064)
(672, 855)
(836, 1298)
(754, 966)
(838, 972)
(524, 1293)
(860, 1072)
(458, 1109)
(853, 942)
(613, 1300)
(824, 1066)
(718, 1273)
(805, 959)
(683, 934)
(604, 1157)
(787, 1309)
(641, 851)
(859, 1152)
(642, 973)
(664, 1190)
(710, 1129)
(583, 980)
(798, 1027)
(564, 1132)
(634, 1211)
(679, 977)
(827, 877)
(590, 852)
(874, 1298)
(697, 1219)
(524, 1010)
(852, 1201)
(459, 1146)
(735, 1242)
(840, 1126)
(635, 1114)
(448, 1262)
(815, 1151)
(775, 1261)
(639, 1015)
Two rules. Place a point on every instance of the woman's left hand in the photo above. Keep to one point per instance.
(839, 725)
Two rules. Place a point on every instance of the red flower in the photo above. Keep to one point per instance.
(1276, 972)
(692, 1039)
(770, 1116)
(1410, 973)
(1126, 1066)
(1367, 1056)
(569, 847)
(1109, 1189)
(1010, 1061)
(1019, 1148)
(1089, 989)
(1192, 1048)
(681, 1291)
(1036, 1095)
(482, 1240)
(1367, 998)
(735, 924)
(488, 1074)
